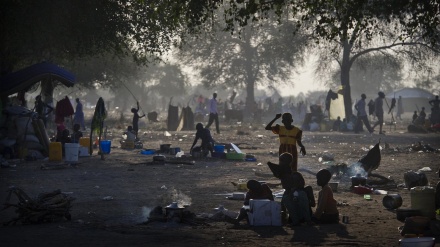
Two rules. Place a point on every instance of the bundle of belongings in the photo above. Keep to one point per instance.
(22, 135)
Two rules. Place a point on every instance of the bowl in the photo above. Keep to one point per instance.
(417, 242)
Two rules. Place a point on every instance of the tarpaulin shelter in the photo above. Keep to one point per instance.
(22, 79)
(173, 118)
(337, 108)
(413, 99)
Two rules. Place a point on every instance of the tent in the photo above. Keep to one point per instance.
(413, 99)
(23, 79)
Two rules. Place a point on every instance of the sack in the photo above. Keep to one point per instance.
(413, 179)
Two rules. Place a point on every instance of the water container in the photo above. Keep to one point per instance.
(71, 152)
(105, 146)
(55, 151)
(84, 141)
(219, 148)
(423, 199)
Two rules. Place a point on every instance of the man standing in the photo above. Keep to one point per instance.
(362, 115)
(213, 113)
(378, 111)
(399, 107)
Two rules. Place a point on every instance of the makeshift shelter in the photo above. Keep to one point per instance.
(173, 118)
(413, 99)
(22, 133)
(23, 79)
(337, 108)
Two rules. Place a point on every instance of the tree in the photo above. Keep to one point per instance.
(266, 55)
(348, 24)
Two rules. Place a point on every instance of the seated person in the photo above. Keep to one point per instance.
(256, 190)
(326, 211)
(337, 124)
(207, 141)
(77, 134)
(343, 126)
(414, 117)
(130, 134)
(294, 186)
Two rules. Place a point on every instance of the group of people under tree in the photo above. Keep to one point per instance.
(376, 108)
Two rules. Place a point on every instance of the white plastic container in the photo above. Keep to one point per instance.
(264, 213)
(71, 152)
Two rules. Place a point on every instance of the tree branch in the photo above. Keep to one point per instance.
(353, 58)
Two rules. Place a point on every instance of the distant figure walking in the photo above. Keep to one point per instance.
(399, 108)
(79, 114)
(378, 111)
(213, 113)
(362, 115)
(289, 137)
(136, 119)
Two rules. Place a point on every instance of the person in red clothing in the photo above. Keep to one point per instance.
(256, 190)
(326, 210)
(289, 137)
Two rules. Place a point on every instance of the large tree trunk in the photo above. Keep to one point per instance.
(47, 88)
(345, 78)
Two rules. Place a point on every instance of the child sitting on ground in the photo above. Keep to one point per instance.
(297, 199)
(326, 211)
(130, 134)
(256, 190)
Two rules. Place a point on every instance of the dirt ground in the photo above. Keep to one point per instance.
(135, 186)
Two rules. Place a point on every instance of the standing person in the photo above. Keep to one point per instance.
(42, 109)
(136, 119)
(362, 115)
(378, 111)
(414, 117)
(399, 107)
(213, 113)
(326, 210)
(207, 142)
(79, 114)
(289, 137)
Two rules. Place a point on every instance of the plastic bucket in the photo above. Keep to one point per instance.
(423, 199)
(219, 148)
(55, 151)
(105, 146)
(392, 201)
(71, 152)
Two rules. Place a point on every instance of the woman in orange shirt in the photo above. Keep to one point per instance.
(289, 137)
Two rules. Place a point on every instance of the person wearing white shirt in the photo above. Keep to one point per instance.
(213, 113)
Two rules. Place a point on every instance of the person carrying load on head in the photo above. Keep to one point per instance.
(290, 135)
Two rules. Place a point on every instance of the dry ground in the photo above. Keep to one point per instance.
(137, 186)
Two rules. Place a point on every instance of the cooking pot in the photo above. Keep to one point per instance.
(159, 158)
(358, 180)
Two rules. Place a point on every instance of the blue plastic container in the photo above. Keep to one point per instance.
(148, 151)
(105, 146)
(219, 148)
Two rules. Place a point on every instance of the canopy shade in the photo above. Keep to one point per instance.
(408, 93)
(22, 79)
